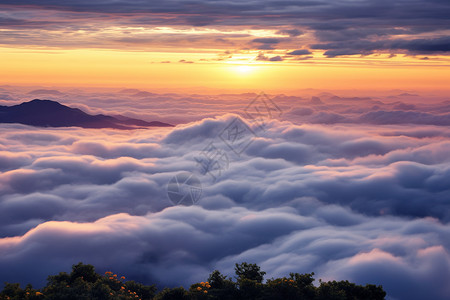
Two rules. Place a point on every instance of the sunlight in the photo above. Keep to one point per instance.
(243, 69)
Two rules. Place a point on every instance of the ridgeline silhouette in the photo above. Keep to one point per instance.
(47, 113)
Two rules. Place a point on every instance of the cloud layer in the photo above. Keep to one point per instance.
(336, 28)
(325, 189)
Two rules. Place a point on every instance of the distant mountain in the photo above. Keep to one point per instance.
(45, 92)
(49, 113)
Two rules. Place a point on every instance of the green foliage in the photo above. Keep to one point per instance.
(83, 283)
(249, 272)
(85, 272)
(173, 294)
(222, 287)
(12, 291)
(344, 290)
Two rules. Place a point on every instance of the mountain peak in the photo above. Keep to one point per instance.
(49, 113)
(43, 103)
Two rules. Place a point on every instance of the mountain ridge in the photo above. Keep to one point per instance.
(49, 113)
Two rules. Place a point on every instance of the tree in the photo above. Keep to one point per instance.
(249, 280)
(146, 292)
(173, 294)
(222, 287)
(304, 283)
(13, 291)
(86, 272)
(345, 290)
(249, 271)
(84, 283)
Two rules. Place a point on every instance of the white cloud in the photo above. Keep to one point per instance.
(365, 203)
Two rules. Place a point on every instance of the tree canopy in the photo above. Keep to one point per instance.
(84, 283)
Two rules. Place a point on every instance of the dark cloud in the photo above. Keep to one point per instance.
(366, 47)
(13, 23)
(340, 28)
(423, 45)
(262, 57)
(290, 32)
(276, 58)
(266, 41)
(201, 20)
(299, 52)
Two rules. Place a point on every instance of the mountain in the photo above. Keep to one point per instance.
(46, 92)
(49, 113)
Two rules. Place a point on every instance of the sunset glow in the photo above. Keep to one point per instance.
(119, 48)
(108, 68)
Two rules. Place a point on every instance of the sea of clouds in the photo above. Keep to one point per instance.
(350, 188)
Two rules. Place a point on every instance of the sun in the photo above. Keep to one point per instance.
(243, 69)
(245, 72)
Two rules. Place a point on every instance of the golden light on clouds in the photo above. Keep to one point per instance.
(96, 67)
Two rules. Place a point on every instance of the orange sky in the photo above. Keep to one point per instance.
(100, 67)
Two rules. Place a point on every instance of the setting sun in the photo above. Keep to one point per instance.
(243, 69)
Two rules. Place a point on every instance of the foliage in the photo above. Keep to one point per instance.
(252, 272)
(178, 293)
(83, 283)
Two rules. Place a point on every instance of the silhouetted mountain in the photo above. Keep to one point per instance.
(49, 113)
(45, 92)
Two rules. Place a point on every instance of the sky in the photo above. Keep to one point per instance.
(229, 45)
(344, 171)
